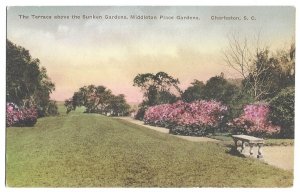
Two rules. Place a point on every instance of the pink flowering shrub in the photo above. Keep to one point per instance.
(254, 121)
(12, 115)
(20, 117)
(195, 118)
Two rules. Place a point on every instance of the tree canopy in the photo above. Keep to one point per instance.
(27, 83)
(264, 75)
(157, 88)
(218, 88)
(98, 99)
(193, 92)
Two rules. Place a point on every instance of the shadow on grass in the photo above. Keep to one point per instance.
(231, 149)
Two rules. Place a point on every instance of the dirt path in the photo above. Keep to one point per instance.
(131, 120)
(165, 130)
(278, 156)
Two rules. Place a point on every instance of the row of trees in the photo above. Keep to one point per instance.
(27, 83)
(265, 77)
(98, 99)
(162, 88)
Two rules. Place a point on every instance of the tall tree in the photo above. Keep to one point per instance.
(249, 62)
(118, 106)
(278, 73)
(27, 84)
(218, 88)
(157, 87)
(98, 99)
(284, 68)
(193, 92)
(257, 68)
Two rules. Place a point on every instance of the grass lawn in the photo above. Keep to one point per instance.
(90, 150)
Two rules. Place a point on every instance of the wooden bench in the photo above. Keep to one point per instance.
(251, 141)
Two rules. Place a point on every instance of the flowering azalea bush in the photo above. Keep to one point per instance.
(196, 118)
(12, 116)
(28, 117)
(20, 117)
(254, 121)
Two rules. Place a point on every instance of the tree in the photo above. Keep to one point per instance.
(238, 55)
(218, 88)
(259, 80)
(193, 92)
(283, 111)
(257, 68)
(278, 73)
(156, 86)
(42, 95)
(98, 99)
(157, 89)
(282, 70)
(250, 63)
(117, 106)
(93, 98)
(27, 84)
(166, 97)
(22, 74)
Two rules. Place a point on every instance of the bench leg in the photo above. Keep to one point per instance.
(236, 144)
(260, 155)
(251, 148)
(243, 146)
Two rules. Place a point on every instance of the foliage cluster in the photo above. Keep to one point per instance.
(266, 77)
(98, 99)
(20, 117)
(195, 118)
(27, 83)
(283, 111)
(159, 88)
(254, 121)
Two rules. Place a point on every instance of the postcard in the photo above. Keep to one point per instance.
(150, 96)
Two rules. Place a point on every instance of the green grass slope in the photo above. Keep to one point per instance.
(90, 150)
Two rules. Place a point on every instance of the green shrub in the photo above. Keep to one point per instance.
(283, 111)
(52, 108)
(141, 112)
(48, 109)
(191, 130)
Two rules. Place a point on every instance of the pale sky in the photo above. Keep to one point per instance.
(112, 52)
